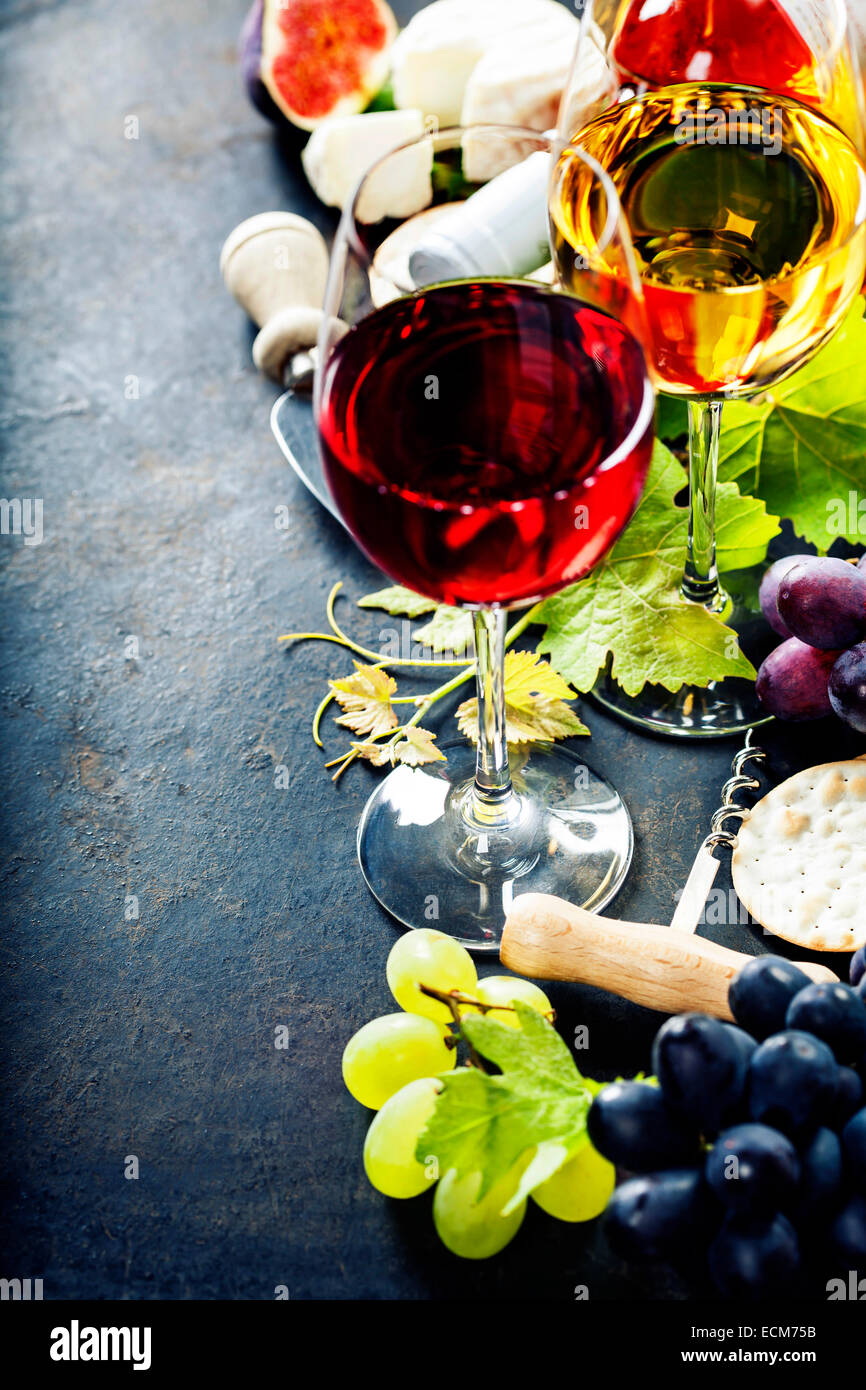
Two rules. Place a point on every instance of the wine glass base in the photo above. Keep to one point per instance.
(723, 708)
(573, 837)
(718, 710)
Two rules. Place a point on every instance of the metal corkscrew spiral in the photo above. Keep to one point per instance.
(730, 808)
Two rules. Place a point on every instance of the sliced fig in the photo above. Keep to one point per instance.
(322, 58)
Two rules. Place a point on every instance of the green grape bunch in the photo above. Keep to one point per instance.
(404, 1066)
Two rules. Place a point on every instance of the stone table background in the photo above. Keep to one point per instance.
(129, 405)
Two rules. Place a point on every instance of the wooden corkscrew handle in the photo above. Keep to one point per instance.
(672, 971)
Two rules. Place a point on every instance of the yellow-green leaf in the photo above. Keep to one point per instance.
(398, 601)
(535, 711)
(449, 630)
(376, 753)
(416, 747)
(365, 698)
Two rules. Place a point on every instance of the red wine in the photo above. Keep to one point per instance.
(730, 41)
(486, 442)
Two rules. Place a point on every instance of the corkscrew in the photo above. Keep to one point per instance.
(668, 968)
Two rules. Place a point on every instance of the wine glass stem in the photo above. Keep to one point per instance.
(492, 801)
(701, 578)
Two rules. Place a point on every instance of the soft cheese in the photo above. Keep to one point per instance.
(436, 55)
(519, 81)
(340, 150)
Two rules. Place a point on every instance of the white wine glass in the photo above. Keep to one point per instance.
(734, 136)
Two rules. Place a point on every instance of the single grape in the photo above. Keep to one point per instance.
(754, 1256)
(389, 1148)
(581, 1189)
(746, 1043)
(661, 1215)
(769, 592)
(792, 1083)
(471, 1228)
(428, 957)
(792, 682)
(833, 1013)
(857, 968)
(701, 1066)
(389, 1052)
(854, 1150)
(631, 1123)
(849, 1096)
(753, 1168)
(760, 994)
(847, 687)
(743, 1040)
(505, 989)
(820, 1179)
(848, 1231)
(823, 602)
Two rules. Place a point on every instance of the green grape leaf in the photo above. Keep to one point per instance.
(485, 1124)
(629, 606)
(449, 630)
(398, 601)
(801, 447)
(672, 417)
(535, 706)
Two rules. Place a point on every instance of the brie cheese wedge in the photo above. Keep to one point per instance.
(340, 151)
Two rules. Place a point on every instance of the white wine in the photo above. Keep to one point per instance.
(748, 216)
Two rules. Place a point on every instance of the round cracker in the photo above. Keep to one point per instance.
(800, 861)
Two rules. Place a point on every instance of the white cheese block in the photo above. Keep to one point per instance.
(434, 57)
(340, 151)
(520, 81)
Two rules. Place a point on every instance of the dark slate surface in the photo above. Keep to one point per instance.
(153, 775)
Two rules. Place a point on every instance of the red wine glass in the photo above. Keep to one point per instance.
(485, 438)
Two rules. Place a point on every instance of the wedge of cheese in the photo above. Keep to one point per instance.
(341, 150)
(436, 55)
(520, 80)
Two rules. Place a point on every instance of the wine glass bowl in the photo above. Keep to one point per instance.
(479, 441)
(800, 51)
(735, 299)
(485, 437)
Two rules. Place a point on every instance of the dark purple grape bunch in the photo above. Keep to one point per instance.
(818, 605)
(749, 1154)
